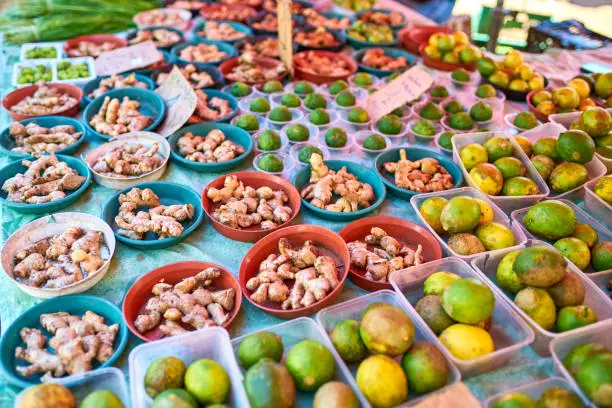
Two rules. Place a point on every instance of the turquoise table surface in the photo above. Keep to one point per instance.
(205, 244)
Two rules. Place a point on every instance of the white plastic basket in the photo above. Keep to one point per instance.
(596, 206)
(211, 343)
(57, 46)
(536, 389)
(508, 331)
(91, 68)
(32, 64)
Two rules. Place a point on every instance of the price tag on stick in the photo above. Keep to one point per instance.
(127, 58)
(285, 33)
(405, 88)
(180, 102)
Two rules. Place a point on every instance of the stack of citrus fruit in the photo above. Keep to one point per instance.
(512, 73)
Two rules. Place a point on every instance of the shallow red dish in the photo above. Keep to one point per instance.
(255, 180)
(441, 65)
(328, 242)
(412, 38)
(266, 63)
(96, 39)
(208, 10)
(140, 292)
(403, 230)
(301, 74)
(18, 95)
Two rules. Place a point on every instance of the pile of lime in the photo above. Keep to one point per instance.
(41, 52)
(57, 395)
(29, 75)
(468, 222)
(591, 366)
(512, 73)
(371, 33)
(68, 70)
(545, 289)
(459, 310)
(308, 366)
(551, 397)
(172, 384)
(452, 48)
(597, 123)
(495, 170)
(384, 332)
(556, 222)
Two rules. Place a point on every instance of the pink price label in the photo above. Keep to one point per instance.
(127, 58)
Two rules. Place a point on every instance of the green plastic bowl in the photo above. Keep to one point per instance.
(413, 153)
(364, 175)
(73, 304)
(236, 26)
(151, 104)
(7, 142)
(16, 167)
(233, 133)
(169, 194)
(93, 85)
(391, 52)
(229, 49)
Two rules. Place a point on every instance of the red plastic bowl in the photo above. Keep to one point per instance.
(266, 63)
(404, 231)
(301, 74)
(328, 241)
(441, 65)
(213, 8)
(140, 292)
(529, 99)
(412, 38)
(96, 39)
(255, 180)
(18, 95)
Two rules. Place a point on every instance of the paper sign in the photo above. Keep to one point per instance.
(405, 88)
(127, 58)
(455, 396)
(180, 102)
(285, 33)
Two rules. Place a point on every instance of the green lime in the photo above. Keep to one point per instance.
(297, 132)
(239, 89)
(280, 114)
(259, 105)
(271, 163)
(389, 125)
(310, 364)
(314, 101)
(374, 142)
(248, 122)
(347, 341)
(291, 100)
(336, 137)
(345, 99)
(358, 115)
(208, 381)
(269, 140)
(338, 86)
(272, 86)
(260, 345)
(303, 88)
(319, 117)
(307, 151)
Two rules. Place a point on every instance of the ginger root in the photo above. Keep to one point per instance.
(424, 175)
(128, 160)
(212, 148)
(115, 118)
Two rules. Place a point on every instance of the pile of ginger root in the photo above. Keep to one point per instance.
(128, 160)
(163, 220)
(60, 260)
(212, 148)
(424, 176)
(45, 180)
(325, 183)
(386, 255)
(35, 139)
(244, 206)
(190, 302)
(77, 341)
(116, 117)
(314, 276)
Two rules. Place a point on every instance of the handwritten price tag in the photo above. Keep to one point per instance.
(455, 396)
(405, 88)
(180, 102)
(127, 58)
(285, 33)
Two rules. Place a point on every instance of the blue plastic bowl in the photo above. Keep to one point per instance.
(133, 33)
(151, 104)
(413, 153)
(391, 52)
(73, 304)
(168, 58)
(169, 194)
(338, 35)
(233, 133)
(237, 26)
(364, 175)
(358, 44)
(229, 49)
(395, 27)
(233, 102)
(213, 71)
(16, 167)
(93, 85)
(7, 142)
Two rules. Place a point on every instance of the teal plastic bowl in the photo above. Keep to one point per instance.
(93, 85)
(413, 153)
(364, 175)
(358, 44)
(16, 167)
(211, 70)
(132, 34)
(395, 27)
(233, 102)
(391, 52)
(7, 142)
(151, 104)
(229, 49)
(73, 304)
(236, 26)
(233, 133)
(169, 194)
(168, 59)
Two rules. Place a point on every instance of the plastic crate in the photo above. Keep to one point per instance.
(535, 390)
